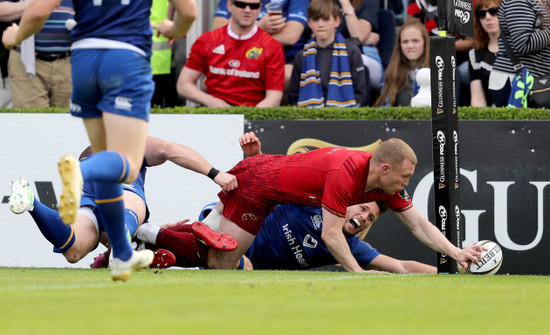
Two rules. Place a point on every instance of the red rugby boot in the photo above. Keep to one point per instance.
(212, 238)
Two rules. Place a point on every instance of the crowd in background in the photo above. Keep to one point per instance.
(309, 53)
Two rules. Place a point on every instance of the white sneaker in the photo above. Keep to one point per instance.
(121, 270)
(71, 176)
(21, 197)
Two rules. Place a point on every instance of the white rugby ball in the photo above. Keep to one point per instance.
(491, 260)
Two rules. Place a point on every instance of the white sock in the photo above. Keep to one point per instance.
(147, 232)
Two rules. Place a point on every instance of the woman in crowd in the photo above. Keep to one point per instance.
(526, 25)
(411, 53)
(482, 57)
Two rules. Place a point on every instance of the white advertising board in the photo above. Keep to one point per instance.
(31, 144)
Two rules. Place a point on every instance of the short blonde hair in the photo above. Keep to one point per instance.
(395, 152)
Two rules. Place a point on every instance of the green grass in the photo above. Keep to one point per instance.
(82, 301)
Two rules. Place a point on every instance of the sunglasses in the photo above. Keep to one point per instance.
(483, 12)
(242, 4)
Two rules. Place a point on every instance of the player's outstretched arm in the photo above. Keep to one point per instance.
(390, 264)
(159, 151)
(336, 242)
(428, 234)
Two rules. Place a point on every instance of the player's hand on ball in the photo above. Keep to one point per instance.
(471, 253)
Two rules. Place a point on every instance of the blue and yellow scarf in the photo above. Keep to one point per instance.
(340, 91)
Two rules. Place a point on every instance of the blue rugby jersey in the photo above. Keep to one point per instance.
(290, 238)
(118, 20)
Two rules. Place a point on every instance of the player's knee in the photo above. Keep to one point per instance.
(73, 256)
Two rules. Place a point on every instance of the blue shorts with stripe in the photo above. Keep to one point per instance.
(116, 81)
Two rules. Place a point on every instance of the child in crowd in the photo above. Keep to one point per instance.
(328, 71)
(411, 53)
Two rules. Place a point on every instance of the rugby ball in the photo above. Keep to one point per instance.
(491, 260)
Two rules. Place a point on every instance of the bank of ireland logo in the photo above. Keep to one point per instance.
(254, 53)
(234, 63)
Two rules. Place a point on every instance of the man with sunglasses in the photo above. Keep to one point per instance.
(243, 64)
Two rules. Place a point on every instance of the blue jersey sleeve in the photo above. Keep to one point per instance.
(362, 251)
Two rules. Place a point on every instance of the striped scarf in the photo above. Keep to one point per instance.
(340, 91)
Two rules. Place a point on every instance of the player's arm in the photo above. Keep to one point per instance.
(10, 11)
(185, 13)
(32, 21)
(390, 264)
(250, 144)
(187, 87)
(428, 234)
(159, 151)
(272, 99)
(335, 241)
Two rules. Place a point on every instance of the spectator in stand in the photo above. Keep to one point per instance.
(329, 71)
(243, 64)
(40, 67)
(526, 24)
(287, 28)
(359, 20)
(425, 11)
(411, 53)
(482, 57)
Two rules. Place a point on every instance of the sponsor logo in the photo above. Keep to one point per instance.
(441, 185)
(317, 221)
(254, 53)
(462, 10)
(440, 111)
(404, 195)
(310, 242)
(234, 63)
(249, 217)
(443, 217)
(457, 169)
(488, 257)
(75, 108)
(457, 217)
(296, 248)
(220, 50)
(234, 72)
(442, 140)
(440, 64)
(123, 103)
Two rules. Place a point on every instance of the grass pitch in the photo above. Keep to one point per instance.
(82, 301)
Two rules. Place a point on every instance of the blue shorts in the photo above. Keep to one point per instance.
(115, 81)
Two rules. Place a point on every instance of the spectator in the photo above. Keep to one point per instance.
(359, 21)
(482, 57)
(411, 52)
(288, 28)
(243, 64)
(526, 24)
(322, 76)
(40, 74)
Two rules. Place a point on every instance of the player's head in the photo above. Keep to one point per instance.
(395, 161)
(359, 218)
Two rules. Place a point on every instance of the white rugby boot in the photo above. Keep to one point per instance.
(21, 196)
(121, 270)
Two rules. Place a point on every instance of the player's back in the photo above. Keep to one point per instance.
(120, 20)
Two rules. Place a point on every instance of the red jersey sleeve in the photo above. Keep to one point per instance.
(197, 59)
(400, 201)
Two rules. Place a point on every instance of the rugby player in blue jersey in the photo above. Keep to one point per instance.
(77, 240)
(112, 91)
